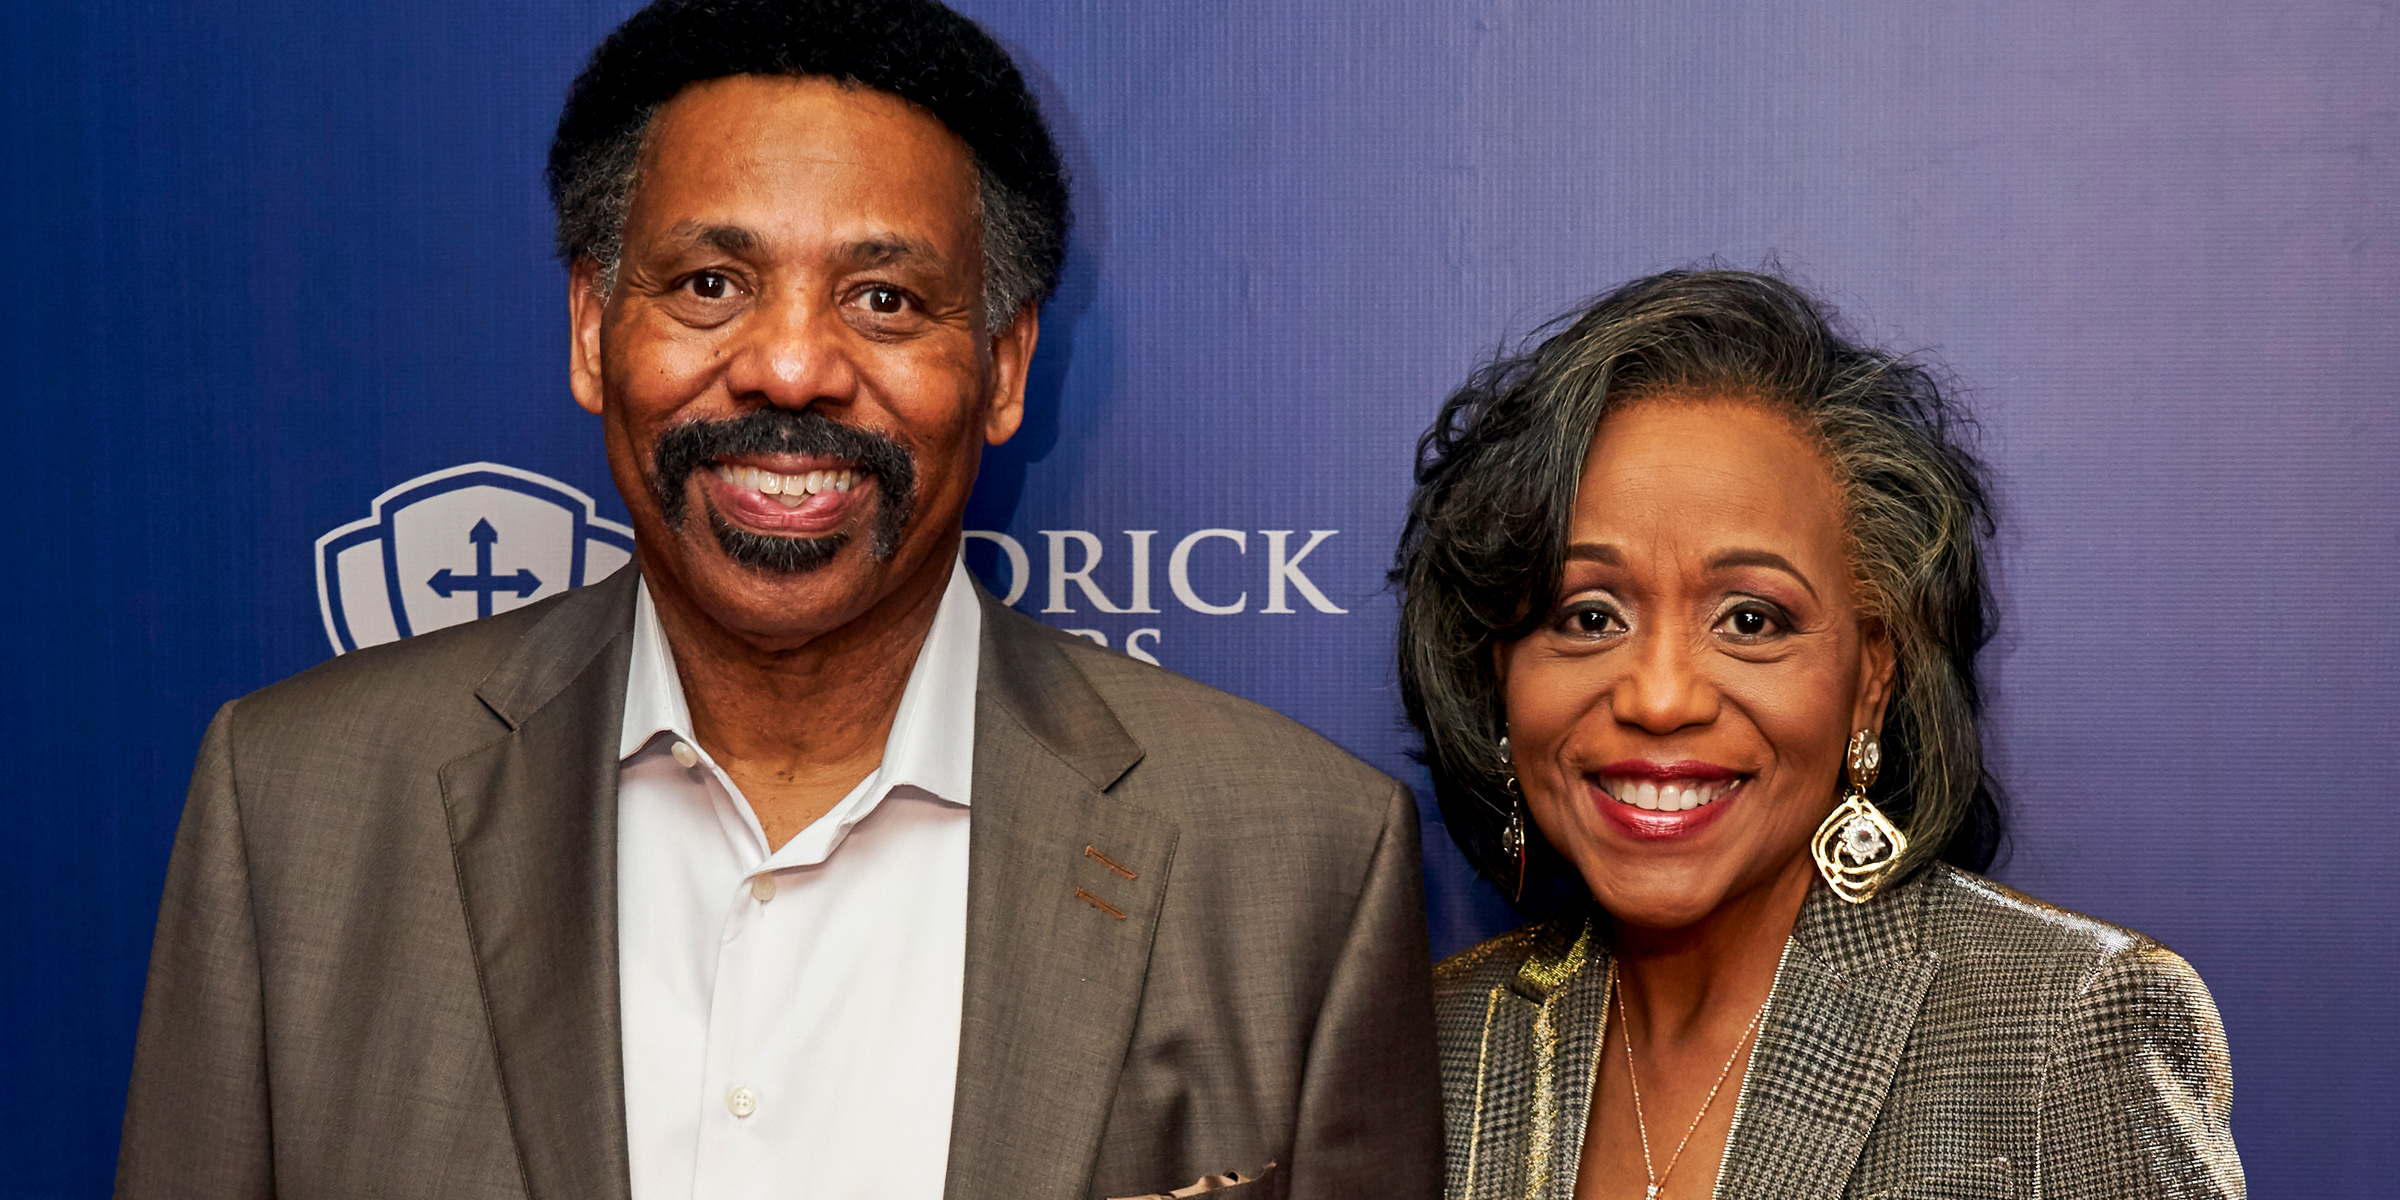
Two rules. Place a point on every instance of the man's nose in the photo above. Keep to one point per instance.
(793, 351)
(1664, 690)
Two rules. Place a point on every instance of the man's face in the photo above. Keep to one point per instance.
(792, 366)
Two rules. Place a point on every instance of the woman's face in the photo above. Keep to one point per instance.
(1678, 721)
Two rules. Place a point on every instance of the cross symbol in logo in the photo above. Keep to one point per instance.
(483, 583)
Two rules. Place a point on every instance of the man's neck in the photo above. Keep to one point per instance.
(798, 727)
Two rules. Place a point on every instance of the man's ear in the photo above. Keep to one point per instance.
(585, 306)
(1012, 359)
(1878, 661)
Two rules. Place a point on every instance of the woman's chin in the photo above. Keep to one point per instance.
(1659, 901)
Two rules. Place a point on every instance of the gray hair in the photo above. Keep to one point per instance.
(595, 193)
(1496, 480)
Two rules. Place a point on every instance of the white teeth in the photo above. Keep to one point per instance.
(1668, 797)
(792, 490)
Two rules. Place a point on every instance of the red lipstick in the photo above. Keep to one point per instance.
(1657, 825)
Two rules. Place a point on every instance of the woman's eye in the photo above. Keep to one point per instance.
(1751, 621)
(1592, 621)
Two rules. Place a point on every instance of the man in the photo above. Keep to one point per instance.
(786, 862)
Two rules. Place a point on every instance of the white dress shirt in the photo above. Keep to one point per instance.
(791, 1018)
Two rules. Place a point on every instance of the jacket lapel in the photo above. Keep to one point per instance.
(533, 827)
(1845, 1000)
(1064, 887)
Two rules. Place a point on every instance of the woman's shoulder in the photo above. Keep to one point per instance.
(1968, 918)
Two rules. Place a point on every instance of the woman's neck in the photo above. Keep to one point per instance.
(1724, 963)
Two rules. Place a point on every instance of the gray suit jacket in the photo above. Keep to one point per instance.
(386, 958)
(1949, 1038)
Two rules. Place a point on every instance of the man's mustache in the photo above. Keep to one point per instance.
(688, 447)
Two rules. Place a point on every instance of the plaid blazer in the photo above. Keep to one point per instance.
(1948, 1038)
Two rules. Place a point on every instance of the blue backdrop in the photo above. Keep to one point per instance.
(268, 262)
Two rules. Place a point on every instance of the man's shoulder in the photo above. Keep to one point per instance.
(1200, 736)
(415, 692)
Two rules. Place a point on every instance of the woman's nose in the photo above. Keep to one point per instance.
(1663, 690)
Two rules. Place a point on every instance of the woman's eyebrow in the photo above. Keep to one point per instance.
(1599, 552)
(1762, 558)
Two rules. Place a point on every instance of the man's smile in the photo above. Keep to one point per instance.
(805, 498)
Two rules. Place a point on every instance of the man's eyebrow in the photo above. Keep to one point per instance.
(883, 250)
(732, 239)
(1761, 558)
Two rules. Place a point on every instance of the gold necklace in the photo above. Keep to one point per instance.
(1641, 1124)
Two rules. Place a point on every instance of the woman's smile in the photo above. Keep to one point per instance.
(1663, 801)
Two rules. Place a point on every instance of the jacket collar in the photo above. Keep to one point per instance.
(1845, 1000)
(1064, 887)
(533, 835)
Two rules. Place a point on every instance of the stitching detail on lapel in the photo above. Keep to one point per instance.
(1098, 903)
(1112, 864)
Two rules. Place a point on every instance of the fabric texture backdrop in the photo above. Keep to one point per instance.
(267, 261)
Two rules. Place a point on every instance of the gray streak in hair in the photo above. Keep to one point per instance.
(1496, 480)
(598, 193)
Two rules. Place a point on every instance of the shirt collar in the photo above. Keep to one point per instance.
(933, 735)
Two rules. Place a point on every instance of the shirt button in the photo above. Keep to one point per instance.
(741, 1102)
(685, 755)
(762, 888)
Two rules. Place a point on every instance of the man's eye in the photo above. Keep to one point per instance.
(886, 301)
(709, 285)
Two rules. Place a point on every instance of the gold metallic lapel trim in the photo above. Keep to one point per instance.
(1549, 967)
(1483, 1065)
(1542, 1140)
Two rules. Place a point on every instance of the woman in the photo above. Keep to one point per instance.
(1692, 596)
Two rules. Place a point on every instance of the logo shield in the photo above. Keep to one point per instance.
(457, 544)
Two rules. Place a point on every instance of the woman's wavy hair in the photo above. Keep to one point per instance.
(1488, 529)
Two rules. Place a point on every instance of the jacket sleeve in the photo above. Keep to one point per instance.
(196, 1118)
(1370, 1121)
(2138, 1097)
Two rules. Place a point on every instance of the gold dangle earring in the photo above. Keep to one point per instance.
(1857, 846)
(1512, 835)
